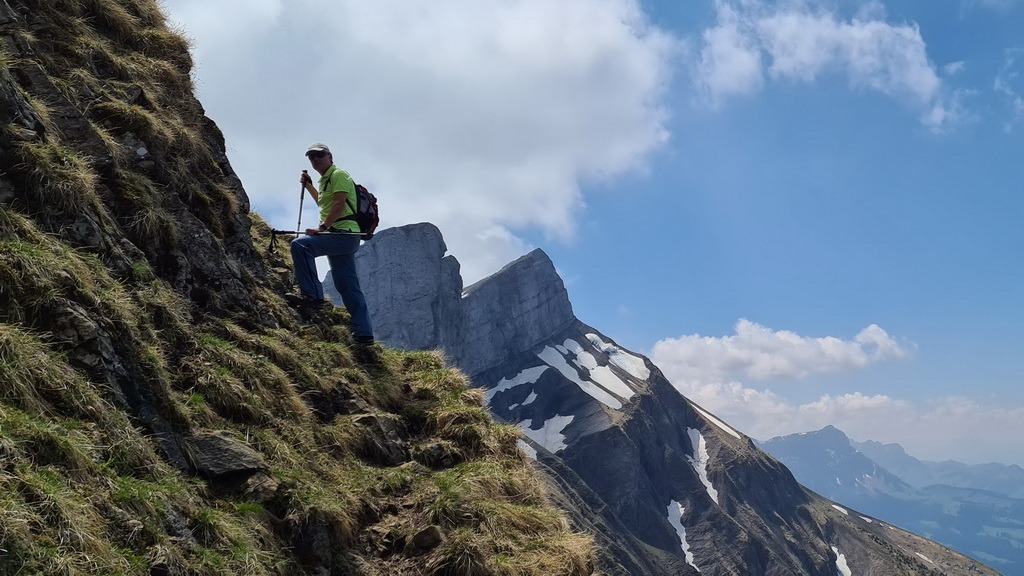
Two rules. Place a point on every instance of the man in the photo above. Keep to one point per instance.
(337, 238)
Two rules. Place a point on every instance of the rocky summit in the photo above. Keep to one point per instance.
(665, 486)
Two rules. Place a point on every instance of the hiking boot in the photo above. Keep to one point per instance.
(302, 301)
(363, 340)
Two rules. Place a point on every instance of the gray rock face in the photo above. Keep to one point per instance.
(414, 293)
(510, 311)
(412, 289)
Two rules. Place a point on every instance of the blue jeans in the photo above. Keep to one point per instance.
(340, 251)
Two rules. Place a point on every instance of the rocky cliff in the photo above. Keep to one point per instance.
(162, 412)
(676, 490)
(419, 302)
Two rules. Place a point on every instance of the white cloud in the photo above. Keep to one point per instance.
(939, 429)
(997, 5)
(954, 68)
(1009, 84)
(712, 372)
(754, 41)
(730, 61)
(758, 352)
(484, 117)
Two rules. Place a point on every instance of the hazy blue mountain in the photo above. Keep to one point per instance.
(826, 462)
(985, 524)
(1001, 478)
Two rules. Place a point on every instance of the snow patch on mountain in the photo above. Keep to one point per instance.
(525, 447)
(633, 365)
(527, 376)
(529, 399)
(700, 459)
(841, 565)
(675, 518)
(725, 427)
(602, 375)
(556, 360)
(925, 558)
(550, 434)
(843, 510)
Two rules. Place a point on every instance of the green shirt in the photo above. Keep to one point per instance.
(337, 185)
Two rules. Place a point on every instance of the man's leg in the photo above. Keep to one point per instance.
(304, 253)
(343, 271)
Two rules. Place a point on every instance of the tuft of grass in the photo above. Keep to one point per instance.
(45, 443)
(123, 117)
(112, 18)
(37, 380)
(44, 112)
(148, 223)
(460, 555)
(58, 178)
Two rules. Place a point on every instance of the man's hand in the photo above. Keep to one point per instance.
(312, 231)
(305, 180)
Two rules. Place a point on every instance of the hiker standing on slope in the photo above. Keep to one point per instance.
(336, 199)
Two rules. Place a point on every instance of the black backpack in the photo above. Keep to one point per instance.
(366, 214)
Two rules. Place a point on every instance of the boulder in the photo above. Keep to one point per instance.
(218, 454)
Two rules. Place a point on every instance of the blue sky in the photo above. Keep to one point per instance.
(805, 212)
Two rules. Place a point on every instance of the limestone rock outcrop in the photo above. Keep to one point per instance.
(418, 303)
(511, 310)
(413, 288)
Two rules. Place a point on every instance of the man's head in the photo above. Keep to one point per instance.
(319, 157)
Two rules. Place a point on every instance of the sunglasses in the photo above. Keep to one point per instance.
(316, 155)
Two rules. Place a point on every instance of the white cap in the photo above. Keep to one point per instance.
(318, 147)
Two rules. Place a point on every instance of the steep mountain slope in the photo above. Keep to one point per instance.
(162, 412)
(680, 490)
(979, 523)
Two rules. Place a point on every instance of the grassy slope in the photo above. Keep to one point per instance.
(85, 488)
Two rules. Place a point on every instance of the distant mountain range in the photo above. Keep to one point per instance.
(1007, 480)
(974, 509)
(663, 485)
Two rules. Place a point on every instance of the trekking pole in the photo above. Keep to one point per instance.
(274, 233)
(301, 233)
(302, 196)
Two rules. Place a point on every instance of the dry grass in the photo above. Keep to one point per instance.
(123, 117)
(35, 379)
(58, 178)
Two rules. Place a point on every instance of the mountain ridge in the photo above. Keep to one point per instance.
(1006, 479)
(677, 479)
